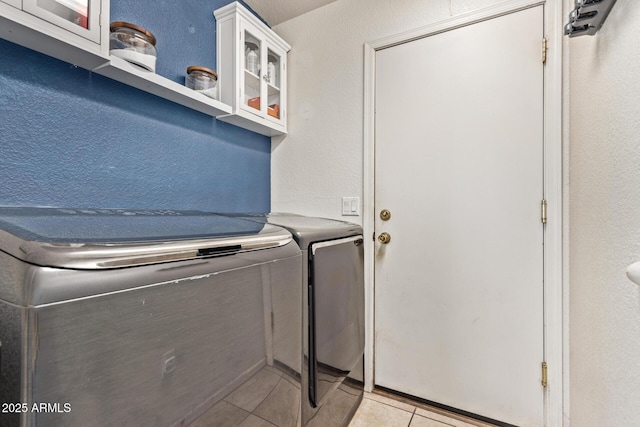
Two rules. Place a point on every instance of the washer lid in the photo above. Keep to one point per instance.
(112, 238)
(306, 229)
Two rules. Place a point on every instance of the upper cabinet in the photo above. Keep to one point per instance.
(80, 17)
(75, 31)
(252, 71)
(251, 59)
(14, 3)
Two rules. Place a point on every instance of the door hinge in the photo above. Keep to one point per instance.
(544, 50)
(543, 211)
(544, 374)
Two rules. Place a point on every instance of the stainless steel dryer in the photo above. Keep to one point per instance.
(333, 316)
(130, 318)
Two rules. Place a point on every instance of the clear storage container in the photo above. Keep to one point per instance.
(133, 44)
(202, 80)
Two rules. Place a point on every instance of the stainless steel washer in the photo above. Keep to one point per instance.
(116, 317)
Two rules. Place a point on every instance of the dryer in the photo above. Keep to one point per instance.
(332, 367)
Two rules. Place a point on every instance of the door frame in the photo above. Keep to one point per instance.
(555, 288)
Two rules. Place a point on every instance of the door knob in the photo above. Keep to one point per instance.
(385, 214)
(384, 238)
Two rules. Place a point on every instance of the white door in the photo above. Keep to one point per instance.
(459, 164)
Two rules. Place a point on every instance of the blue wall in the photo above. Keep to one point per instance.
(69, 137)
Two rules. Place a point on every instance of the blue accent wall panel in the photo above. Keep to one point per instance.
(69, 137)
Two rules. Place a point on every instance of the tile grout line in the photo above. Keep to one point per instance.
(261, 402)
(252, 413)
(268, 394)
(428, 414)
(413, 414)
(439, 421)
(228, 403)
(453, 417)
(391, 406)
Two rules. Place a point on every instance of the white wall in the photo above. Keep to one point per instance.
(604, 225)
(321, 159)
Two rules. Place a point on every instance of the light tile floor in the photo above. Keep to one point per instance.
(381, 411)
(269, 398)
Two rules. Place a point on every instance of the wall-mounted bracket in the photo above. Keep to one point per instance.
(587, 17)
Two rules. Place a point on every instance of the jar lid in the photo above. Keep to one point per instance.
(120, 24)
(193, 68)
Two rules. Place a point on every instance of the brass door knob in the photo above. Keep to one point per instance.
(385, 214)
(384, 238)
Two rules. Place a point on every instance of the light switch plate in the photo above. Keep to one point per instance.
(350, 206)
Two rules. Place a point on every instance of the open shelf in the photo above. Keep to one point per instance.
(120, 70)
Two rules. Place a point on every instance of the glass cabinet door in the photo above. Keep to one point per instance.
(261, 76)
(273, 78)
(78, 16)
(251, 69)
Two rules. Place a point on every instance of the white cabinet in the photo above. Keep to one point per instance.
(76, 31)
(71, 15)
(252, 70)
(14, 3)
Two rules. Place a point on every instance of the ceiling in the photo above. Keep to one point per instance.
(278, 11)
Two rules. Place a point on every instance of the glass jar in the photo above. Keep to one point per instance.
(202, 80)
(133, 44)
(271, 70)
(252, 59)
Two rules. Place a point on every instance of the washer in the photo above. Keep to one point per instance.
(332, 368)
(117, 317)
